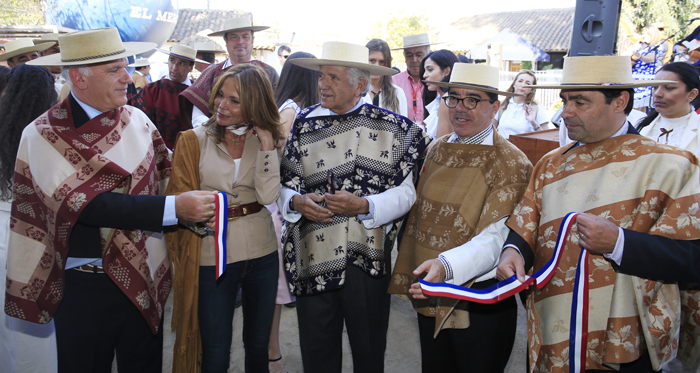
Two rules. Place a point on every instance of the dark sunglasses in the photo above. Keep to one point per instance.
(333, 182)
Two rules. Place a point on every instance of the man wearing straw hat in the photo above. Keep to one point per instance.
(639, 223)
(471, 181)
(23, 50)
(206, 52)
(82, 245)
(55, 48)
(159, 100)
(415, 48)
(239, 35)
(142, 74)
(346, 176)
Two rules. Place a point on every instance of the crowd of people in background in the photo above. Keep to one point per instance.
(292, 185)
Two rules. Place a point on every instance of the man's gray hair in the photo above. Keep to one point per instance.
(354, 74)
(65, 72)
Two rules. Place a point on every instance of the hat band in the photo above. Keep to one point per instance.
(93, 57)
(600, 84)
(183, 57)
(476, 85)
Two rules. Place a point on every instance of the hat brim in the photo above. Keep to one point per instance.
(34, 48)
(139, 64)
(252, 28)
(42, 41)
(417, 46)
(130, 49)
(316, 63)
(473, 87)
(170, 53)
(637, 83)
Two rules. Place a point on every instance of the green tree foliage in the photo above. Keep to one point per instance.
(21, 12)
(393, 28)
(672, 13)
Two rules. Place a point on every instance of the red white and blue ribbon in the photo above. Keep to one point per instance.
(220, 228)
(508, 287)
(578, 333)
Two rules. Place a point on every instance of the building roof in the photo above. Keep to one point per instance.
(192, 22)
(549, 29)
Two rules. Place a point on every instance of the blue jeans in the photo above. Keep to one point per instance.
(217, 299)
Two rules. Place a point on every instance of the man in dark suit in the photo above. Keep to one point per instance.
(85, 245)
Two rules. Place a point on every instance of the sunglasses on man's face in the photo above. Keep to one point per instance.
(285, 56)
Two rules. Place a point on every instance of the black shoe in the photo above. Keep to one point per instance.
(291, 304)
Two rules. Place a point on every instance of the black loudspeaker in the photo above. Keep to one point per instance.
(595, 28)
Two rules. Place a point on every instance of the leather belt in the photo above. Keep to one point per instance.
(235, 212)
(90, 268)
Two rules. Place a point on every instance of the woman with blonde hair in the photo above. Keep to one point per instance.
(521, 114)
(236, 152)
(383, 92)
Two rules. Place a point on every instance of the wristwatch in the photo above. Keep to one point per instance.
(291, 204)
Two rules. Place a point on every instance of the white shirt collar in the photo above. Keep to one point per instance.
(187, 81)
(321, 111)
(89, 110)
(228, 63)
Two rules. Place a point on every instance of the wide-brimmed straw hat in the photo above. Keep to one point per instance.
(140, 62)
(337, 53)
(92, 46)
(472, 76)
(182, 51)
(238, 24)
(599, 72)
(209, 47)
(21, 46)
(51, 37)
(414, 41)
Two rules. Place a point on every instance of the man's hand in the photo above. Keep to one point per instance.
(346, 203)
(511, 262)
(596, 234)
(196, 206)
(436, 273)
(308, 205)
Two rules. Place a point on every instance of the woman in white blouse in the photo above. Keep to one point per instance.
(520, 114)
(436, 67)
(383, 92)
(675, 121)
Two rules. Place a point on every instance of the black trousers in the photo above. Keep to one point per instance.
(94, 320)
(484, 346)
(363, 304)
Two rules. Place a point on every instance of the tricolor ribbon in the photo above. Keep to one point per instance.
(506, 288)
(220, 229)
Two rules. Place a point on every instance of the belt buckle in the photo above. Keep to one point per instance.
(231, 218)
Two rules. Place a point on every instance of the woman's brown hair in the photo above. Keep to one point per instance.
(258, 106)
(529, 98)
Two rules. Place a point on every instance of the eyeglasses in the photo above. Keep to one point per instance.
(469, 103)
(285, 56)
